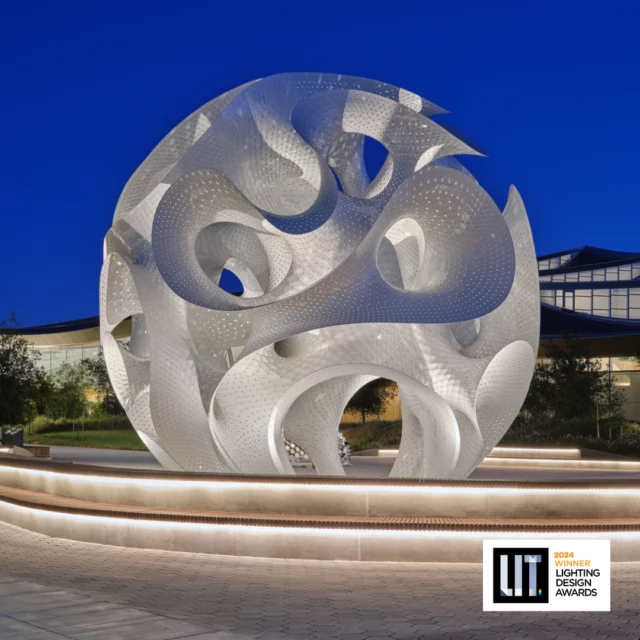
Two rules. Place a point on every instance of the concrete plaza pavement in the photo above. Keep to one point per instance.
(52, 589)
(105, 457)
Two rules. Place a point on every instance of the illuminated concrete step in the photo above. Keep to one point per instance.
(47, 502)
(310, 517)
(304, 537)
(526, 453)
(533, 453)
(314, 495)
(616, 466)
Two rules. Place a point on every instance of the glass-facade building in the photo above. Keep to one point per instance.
(52, 359)
(593, 285)
(595, 294)
(68, 342)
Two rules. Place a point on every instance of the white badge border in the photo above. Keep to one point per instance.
(593, 549)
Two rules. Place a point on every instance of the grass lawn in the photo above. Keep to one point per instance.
(100, 439)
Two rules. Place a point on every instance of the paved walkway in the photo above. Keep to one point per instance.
(52, 589)
(106, 457)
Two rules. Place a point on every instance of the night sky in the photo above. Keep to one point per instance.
(550, 89)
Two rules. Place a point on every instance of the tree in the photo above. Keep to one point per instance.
(569, 384)
(96, 371)
(42, 391)
(539, 401)
(373, 398)
(21, 379)
(576, 379)
(69, 397)
(610, 399)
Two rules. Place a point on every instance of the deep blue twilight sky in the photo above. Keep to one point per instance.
(550, 89)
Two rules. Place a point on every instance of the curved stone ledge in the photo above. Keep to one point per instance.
(320, 496)
(616, 466)
(441, 542)
(45, 502)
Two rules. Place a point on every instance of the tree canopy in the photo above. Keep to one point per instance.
(69, 396)
(569, 383)
(26, 390)
(96, 371)
(372, 399)
(22, 381)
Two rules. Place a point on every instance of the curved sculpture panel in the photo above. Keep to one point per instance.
(338, 277)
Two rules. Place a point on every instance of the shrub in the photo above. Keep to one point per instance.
(376, 434)
(554, 427)
(45, 424)
(627, 443)
(630, 427)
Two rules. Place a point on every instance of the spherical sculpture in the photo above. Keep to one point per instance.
(412, 274)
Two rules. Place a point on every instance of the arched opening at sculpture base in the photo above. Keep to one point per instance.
(428, 433)
(372, 418)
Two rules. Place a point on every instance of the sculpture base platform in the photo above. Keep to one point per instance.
(310, 517)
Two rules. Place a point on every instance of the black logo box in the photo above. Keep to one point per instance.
(542, 569)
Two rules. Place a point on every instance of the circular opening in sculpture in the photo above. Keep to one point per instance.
(338, 182)
(400, 255)
(230, 282)
(379, 166)
(312, 419)
(311, 411)
(365, 176)
(242, 261)
(376, 400)
(122, 332)
(375, 155)
(297, 345)
(467, 332)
